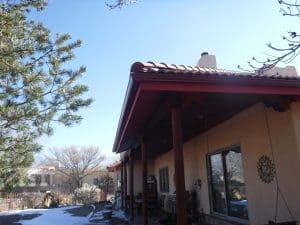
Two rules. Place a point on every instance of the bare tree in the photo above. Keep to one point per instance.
(280, 54)
(119, 3)
(76, 163)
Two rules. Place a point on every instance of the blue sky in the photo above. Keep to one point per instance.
(172, 31)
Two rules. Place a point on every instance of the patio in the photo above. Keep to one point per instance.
(179, 118)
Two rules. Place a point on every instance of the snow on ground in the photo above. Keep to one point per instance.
(97, 216)
(59, 216)
(119, 214)
(22, 212)
(56, 216)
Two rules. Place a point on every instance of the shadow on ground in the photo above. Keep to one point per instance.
(81, 211)
(13, 219)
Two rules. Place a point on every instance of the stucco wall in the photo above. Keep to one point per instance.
(249, 130)
(163, 161)
(295, 112)
(137, 176)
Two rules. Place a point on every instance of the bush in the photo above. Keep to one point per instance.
(87, 194)
(64, 199)
(32, 200)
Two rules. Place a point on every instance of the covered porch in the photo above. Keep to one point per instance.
(165, 107)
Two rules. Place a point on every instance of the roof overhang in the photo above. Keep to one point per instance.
(150, 83)
(114, 167)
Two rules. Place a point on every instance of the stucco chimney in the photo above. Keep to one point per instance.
(288, 71)
(207, 60)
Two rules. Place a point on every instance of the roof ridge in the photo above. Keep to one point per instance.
(141, 66)
(164, 68)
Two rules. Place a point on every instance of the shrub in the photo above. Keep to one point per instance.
(64, 199)
(87, 194)
(32, 200)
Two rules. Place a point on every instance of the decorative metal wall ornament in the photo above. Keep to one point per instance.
(266, 169)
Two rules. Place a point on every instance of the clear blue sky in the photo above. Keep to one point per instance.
(172, 31)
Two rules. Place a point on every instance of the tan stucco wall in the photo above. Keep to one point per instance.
(295, 112)
(249, 130)
(137, 176)
(163, 161)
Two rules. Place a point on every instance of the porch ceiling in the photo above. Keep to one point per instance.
(206, 100)
(199, 114)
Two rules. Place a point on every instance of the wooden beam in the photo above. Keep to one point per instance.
(118, 143)
(278, 103)
(125, 185)
(181, 212)
(131, 182)
(122, 185)
(235, 88)
(145, 201)
(163, 108)
(157, 116)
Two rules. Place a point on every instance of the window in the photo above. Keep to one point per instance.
(47, 179)
(228, 194)
(164, 179)
(96, 181)
(38, 179)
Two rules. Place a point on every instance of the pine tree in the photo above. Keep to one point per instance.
(36, 88)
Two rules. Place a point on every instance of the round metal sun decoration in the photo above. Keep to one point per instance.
(266, 169)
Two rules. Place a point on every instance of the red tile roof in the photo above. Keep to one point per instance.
(150, 79)
(164, 68)
(114, 166)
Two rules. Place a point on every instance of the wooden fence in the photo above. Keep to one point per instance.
(10, 201)
(13, 201)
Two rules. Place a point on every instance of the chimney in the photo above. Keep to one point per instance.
(207, 60)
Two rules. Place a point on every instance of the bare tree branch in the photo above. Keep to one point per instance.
(119, 3)
(280, 54)
(77, 162)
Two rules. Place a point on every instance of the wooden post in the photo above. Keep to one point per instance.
(145, 201)
(131, 186)
(181, 212)
(122, 185)
(125, 185)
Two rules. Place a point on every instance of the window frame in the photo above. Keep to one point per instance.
(222, 151)
(47, 178)
(163, 173)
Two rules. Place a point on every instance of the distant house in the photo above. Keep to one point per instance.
(232, 138)
(115, 173)
(96, 176)
(41, 179)
(51, 178)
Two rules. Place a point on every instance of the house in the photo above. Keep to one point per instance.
(44, 178)
(115, 170)
(97, 176)
(231, 138)
(41, 179)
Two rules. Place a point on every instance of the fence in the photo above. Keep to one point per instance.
(10, 201)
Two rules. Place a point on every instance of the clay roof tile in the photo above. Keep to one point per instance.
(165, 68)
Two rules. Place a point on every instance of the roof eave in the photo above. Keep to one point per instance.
(123, 110)
(138, 76)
